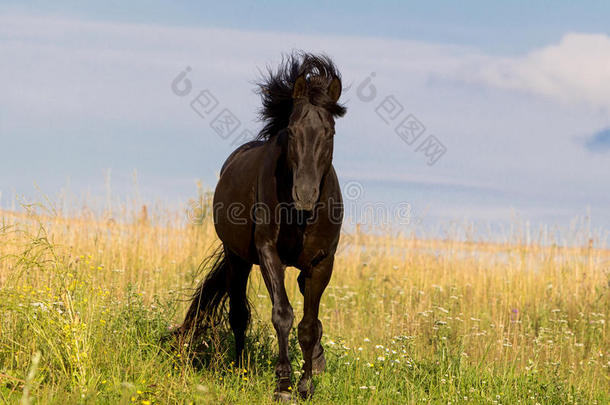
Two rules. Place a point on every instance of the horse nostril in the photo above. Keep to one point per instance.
(305, 193)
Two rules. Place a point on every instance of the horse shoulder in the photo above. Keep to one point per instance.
(240, 151)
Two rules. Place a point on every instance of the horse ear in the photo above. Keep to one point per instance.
(334, 89)
(299, 89)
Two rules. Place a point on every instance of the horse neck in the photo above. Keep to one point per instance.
(283, 171)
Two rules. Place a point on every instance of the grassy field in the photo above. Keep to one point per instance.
(85, 302)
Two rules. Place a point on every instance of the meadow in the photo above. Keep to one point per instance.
(86, 301)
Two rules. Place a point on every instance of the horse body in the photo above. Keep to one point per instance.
(278, 203)
(252, 176)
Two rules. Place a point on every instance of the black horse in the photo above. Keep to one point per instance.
(277, 204)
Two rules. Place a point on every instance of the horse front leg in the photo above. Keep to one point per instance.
(282, 317)
(318, 359)
(310, 327)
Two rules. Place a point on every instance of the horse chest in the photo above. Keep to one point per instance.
(290, 242)
(300, 246)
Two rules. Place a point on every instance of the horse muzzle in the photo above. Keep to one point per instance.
(304, 206)
(305, 197)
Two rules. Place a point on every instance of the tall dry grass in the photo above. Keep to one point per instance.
(405, 319)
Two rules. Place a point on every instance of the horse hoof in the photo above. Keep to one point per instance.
(282, 396)
(305, 388)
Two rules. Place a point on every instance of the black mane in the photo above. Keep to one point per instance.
(275, 89)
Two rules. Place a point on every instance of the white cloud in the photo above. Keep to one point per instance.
(37, 48)
(63, 76)
(576, 70)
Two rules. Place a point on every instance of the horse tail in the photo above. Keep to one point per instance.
(207, 303)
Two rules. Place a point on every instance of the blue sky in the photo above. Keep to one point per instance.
(517, 94)
(514, 26)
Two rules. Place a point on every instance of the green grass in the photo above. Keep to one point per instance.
(127, 364)
(122, 361)
(94, 299)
